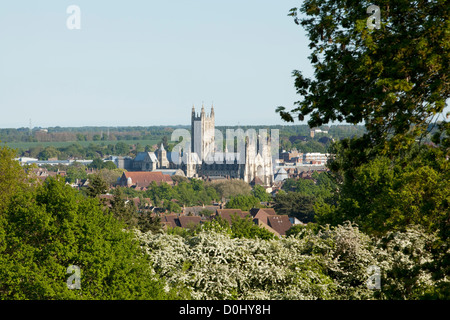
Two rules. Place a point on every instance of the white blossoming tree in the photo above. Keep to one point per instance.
(329, 264)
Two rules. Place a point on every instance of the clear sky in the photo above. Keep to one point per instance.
(145, 62)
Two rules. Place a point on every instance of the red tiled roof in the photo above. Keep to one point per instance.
(263, 214)
(189, 221)
(227, 214)
(280, 223)
(143, 179)
(171, 220)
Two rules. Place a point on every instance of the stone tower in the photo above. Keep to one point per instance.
(258, 160)
(202, 133)
(162, 158)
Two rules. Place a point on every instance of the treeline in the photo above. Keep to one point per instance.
(91, 151)
(60, 134)
(196, 192)
(128, 141)
(64, 134)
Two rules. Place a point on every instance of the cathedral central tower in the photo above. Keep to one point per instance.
(202, 133)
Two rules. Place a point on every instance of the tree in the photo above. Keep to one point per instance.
(260, 193)
(97, 163)
(245, 203)
(109, 165)
(296, 205)
(48, 153)
(205, 213)
(231, 188)
(245, 228)
(76, 171)
(52, 227)
(122, 210)
(122, 148)
(171, 206)
(393, 78)
(12, 177)
(97, 186)
(391, 194)
(147, 223)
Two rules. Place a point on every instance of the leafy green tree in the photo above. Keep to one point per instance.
(245, 228)
(239, 228)
(205, 213)
(122, 210)
(300, 230)
(97, 186)
(393, 78)
(12, 177)
(231, 188)
(76, 171)
(48, 153)
(147, 222)
(111, 175)
(97, 163)
(296, 205)
(109, 165)
(81, 137)
(245, 203)
(260, 193)
(171, 206)
(391, 194)
(122, 148)
(75, 150)
(48, 229)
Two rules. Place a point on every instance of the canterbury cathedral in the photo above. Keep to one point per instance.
(205, 154)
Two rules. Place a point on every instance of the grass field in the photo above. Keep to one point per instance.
(28, 145)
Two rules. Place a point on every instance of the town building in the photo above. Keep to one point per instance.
(141, 180)
(202, 158)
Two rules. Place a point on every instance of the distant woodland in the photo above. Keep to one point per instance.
(94, 142)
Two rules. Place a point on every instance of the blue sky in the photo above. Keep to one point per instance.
(142, 63)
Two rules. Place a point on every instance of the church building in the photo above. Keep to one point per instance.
(204, 157)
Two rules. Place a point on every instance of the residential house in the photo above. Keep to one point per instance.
(227, 214)
(175, 220)
(142, 179)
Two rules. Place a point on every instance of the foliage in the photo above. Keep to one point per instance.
(295, 204)
(239, 228)
(214, 266)
(79, 142)
(99, 164)
(325, 263)
(320, 186)
(12, 176)
(300, 229)
(76, 171)
(147, 222)
(186, 193)
(245, 203)
(411, 271)
(246, 228)
(122, 210)
(261, 193)
(97, 186)
(394, 79)
(386, 194)
(231, 188)
(52, 227)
